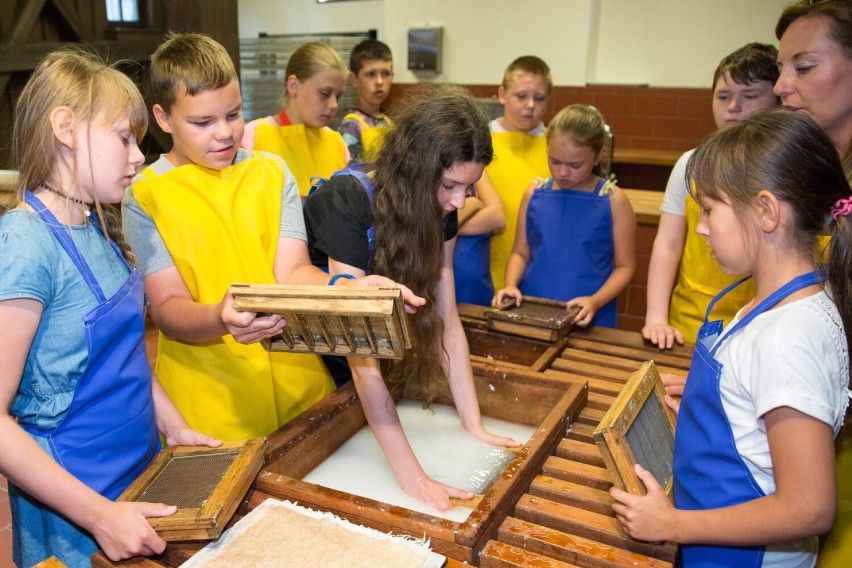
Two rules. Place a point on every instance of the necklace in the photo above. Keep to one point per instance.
(85, 204)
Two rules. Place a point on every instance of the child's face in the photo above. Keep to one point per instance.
(114, 156)
(816, 76)
(314, 101)
(373, 82)
(455, 181)
(524, 101)
(206, 128)
(734, 102)
(725, 235)
(571, 165)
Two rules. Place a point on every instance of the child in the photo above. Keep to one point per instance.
(481, 215)
(299, 133)
(576, 231)
(754, 475)
(682, 278)
(202, 217)
(360, 223)
(520, 150)
(371, 65)
(80, 407)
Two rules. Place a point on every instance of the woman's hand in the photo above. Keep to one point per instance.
(662, 335)
(248, 327)
(123, 530)
(507, 293)
(587, 312)
(650, 517)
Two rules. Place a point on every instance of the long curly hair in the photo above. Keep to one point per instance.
(437, 127)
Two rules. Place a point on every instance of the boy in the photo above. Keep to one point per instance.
(520, 150)
(682, 277)
(203, 216)
(371, 66)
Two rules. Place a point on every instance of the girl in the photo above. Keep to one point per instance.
(80, 407)
(754, 455)
(315, 78)
(576, 231)
(481, 215)
(401, 221)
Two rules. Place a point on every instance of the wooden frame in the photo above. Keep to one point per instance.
(538, 318)
(639, 428)
(331, 320)
(208, 520)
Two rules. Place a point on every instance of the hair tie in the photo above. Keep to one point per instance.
(842, 208)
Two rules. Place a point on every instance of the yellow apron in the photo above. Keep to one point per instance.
(371, 136)
(699, 279)
(222, 227)
(519, 158)
(837, 546)
(308, 151)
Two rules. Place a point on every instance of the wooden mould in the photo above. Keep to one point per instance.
(639, 428)
(206, 484)
(331, 320)
(538, 318)
(548, 403)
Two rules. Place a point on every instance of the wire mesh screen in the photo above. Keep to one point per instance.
(188, 481)
(263, 60)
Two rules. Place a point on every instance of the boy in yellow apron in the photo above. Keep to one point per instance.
(371, 66)
(520, 150)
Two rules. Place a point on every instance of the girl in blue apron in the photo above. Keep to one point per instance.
(576, 231)
(754, 472)
(481, 216)
(401, 220)
(80, 408)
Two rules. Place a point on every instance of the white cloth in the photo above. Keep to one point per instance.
(495, 126)
(795, 356)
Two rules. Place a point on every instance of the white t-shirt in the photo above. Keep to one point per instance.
(796, 356)
(677, 190)
(495, 126)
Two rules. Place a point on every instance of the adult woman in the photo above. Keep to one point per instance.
(401, 220)
(815, 61)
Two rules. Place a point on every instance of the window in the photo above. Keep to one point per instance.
(122, 11)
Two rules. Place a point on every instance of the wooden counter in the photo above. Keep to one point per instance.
(646, 205)
(564, 516)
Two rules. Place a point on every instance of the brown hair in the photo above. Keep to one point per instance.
(92, 90)
(788, 154)
(583, 125)
(751, 63)
(438, 127)
(368, 50)
(192, 61)
(529, 64)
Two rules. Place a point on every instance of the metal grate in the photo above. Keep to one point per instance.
(263, 60)
(188, 481)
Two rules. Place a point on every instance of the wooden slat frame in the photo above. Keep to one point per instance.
(611, 435)
(209, 520)
(374, 310)
(515, 320)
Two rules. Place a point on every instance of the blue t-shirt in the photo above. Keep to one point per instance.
(34, 265)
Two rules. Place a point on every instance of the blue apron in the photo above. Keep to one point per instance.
(108, 435)
(571, 246)
(472, 269)
(708, 470)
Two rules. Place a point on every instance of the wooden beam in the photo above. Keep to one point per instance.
(25, 57)
(25, 16)
(81, 27)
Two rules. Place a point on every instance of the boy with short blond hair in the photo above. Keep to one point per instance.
(202, 217)
(371, 66)
(520, 150)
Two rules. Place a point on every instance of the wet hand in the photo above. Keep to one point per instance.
(662, 335)
(649, 517)
(435, 494)
(123, 531)
(483, 435)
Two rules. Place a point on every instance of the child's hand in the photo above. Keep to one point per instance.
(483, 435)
(662, 335)
(124, 532)
(412, 301)
(248, 327)
(436, 494)
(674, 385)
(505, 294)
(189, 437)
(650, 517)
(587, 312)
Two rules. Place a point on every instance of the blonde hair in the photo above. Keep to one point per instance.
(529, 64)
(583, 125)
(308, 60)
(91, 89)
(195, 62)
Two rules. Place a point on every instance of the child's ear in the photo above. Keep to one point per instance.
(62, 124)
(353, 78)
(292, 85)
(162, 118)
(768, 210)
(501, 95)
